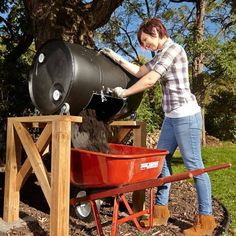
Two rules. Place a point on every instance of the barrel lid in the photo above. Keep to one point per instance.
(47, 85)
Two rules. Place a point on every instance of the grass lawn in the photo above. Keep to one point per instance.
(223, 181)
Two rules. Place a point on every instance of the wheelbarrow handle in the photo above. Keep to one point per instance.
(192, 173)
(148, 183)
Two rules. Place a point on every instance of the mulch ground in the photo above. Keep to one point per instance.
(35, 212)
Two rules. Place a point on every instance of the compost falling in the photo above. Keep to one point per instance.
(92, 134)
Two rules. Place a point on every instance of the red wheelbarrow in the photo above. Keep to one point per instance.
(125, 169)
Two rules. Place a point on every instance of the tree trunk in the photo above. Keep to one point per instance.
(71, 21)
(198, 77)
(203, 127)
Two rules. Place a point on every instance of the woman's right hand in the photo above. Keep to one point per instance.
(119, 92)
(113, 55)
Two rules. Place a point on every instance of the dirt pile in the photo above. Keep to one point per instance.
(92, 134)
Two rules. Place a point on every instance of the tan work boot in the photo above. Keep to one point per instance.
(204, 225)
(161, 215)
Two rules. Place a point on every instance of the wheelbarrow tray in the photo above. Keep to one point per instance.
(123, 165)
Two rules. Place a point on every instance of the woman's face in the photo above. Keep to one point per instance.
(150, 42)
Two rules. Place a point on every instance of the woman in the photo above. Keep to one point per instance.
(182, 123)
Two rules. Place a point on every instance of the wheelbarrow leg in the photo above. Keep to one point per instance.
(134, 215)
(115, 215)
(96, 217)
(131, 213)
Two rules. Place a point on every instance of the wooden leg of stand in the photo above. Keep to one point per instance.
(11, 194)
(151, 207)
(138, 198)
(60, 182)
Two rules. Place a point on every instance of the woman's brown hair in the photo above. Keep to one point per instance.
(147, 27)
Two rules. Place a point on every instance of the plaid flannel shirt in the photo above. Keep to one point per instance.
(172, 64)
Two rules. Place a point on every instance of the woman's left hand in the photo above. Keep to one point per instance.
(113, 55)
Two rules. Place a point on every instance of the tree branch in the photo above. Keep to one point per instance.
(132, 46)
(137, 12)
(9, 26)
(20, 49)
(180, 1)
(94, 18)
(148, 9)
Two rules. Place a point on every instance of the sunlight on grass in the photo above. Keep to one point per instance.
(223, 181)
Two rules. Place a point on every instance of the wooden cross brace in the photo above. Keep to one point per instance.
(57, 132)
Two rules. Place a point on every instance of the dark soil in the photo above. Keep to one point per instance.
(91, 134)
(35, 212)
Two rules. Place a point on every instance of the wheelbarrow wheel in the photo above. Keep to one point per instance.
(84, 210)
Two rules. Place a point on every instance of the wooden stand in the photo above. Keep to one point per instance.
(138, 128)
(57, 131)
(139, 139)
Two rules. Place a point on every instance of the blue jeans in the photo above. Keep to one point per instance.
(184, 132)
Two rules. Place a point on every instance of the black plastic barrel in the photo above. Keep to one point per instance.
(81, 78)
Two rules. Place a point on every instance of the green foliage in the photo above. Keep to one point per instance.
(220, 82)
(221, 115)
(225, 60)
(13, 72)
(152, 113)
(14, 85)
(219, 63)
(218, 45)
(145, 114)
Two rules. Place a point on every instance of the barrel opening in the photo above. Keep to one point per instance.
(106, 106)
